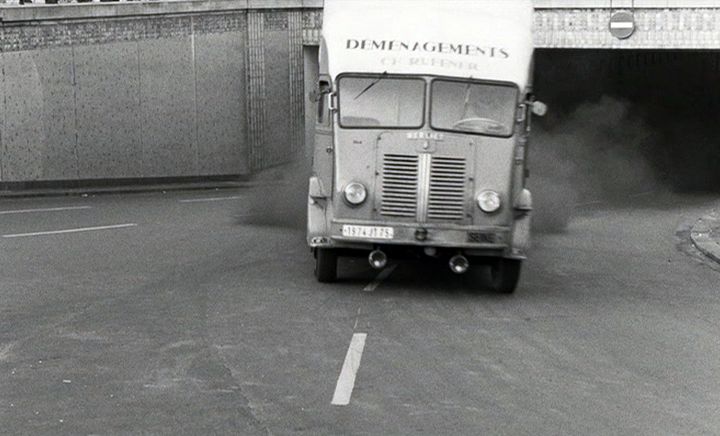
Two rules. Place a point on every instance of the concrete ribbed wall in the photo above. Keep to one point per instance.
(154, 90)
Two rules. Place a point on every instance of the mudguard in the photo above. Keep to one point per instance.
(317, 227)
(520, 243)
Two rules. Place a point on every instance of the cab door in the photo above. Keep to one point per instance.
(321, 180)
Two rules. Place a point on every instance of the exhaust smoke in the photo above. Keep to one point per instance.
(622, 124)
(594, 154)
(280, 197)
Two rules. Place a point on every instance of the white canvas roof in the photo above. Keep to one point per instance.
(483, 39)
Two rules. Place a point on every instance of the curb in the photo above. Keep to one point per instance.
(272, 176)
(705, 235)
(133, 189)
(123, 189)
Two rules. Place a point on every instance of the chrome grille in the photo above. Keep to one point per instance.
(399, 185)
(446, 200)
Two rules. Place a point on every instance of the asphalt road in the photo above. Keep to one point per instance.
(178, 319)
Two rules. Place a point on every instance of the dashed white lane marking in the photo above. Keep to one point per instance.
(82, 229)
(202, 200)
(385, 273)
(357, 319)
(47, 209)
(641, 194)
(346, 381)
(588, 203)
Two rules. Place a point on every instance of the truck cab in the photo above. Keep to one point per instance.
(421, 141)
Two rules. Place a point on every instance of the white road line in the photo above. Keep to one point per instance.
(641, 194)
(202, 200)
(47, 209)
(346, 381)
(380, 277)
(357, 318)
(589, 203)
(83, 229)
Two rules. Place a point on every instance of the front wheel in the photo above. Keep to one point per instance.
(504, 275)
(325, 265)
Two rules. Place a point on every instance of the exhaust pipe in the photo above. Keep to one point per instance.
(459, 264)
(377, 259)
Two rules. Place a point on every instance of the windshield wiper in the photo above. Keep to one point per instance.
(375, 82)
(466, 106)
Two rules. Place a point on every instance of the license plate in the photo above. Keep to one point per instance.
(370, 232)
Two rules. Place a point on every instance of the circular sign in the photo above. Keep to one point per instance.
(622, 24)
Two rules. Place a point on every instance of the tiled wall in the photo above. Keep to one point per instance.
(672, 28)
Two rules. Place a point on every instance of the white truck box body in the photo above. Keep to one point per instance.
(482, 39)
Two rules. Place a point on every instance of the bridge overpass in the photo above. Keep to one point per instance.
(659, 24)
(217, 87)
(585, 24)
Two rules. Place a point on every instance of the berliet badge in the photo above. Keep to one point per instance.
(434, 136)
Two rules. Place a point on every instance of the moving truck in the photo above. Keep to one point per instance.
(421, 137)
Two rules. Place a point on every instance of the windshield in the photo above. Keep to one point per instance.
(381, 101)
(473, 107)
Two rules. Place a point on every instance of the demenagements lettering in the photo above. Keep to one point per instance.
(427, 47)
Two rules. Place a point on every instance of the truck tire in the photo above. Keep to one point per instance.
(325, 265)
(504, 275)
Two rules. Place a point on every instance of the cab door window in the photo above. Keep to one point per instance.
(323, 95)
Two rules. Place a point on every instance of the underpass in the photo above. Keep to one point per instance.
(197, 312)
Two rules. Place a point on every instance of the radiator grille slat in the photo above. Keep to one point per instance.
(399, 185)
(446, 199)
(444, 195)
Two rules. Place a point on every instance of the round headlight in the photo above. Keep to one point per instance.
(489, 201)
(355, 193)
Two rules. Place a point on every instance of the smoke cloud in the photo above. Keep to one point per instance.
(622, 124)
(280, 197)
(594, 154)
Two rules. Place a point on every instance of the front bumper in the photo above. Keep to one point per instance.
(434, 235)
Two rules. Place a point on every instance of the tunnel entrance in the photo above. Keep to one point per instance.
(628, 120)
(623, 125)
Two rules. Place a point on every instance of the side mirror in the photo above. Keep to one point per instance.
(317, 93)
(539, 108)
